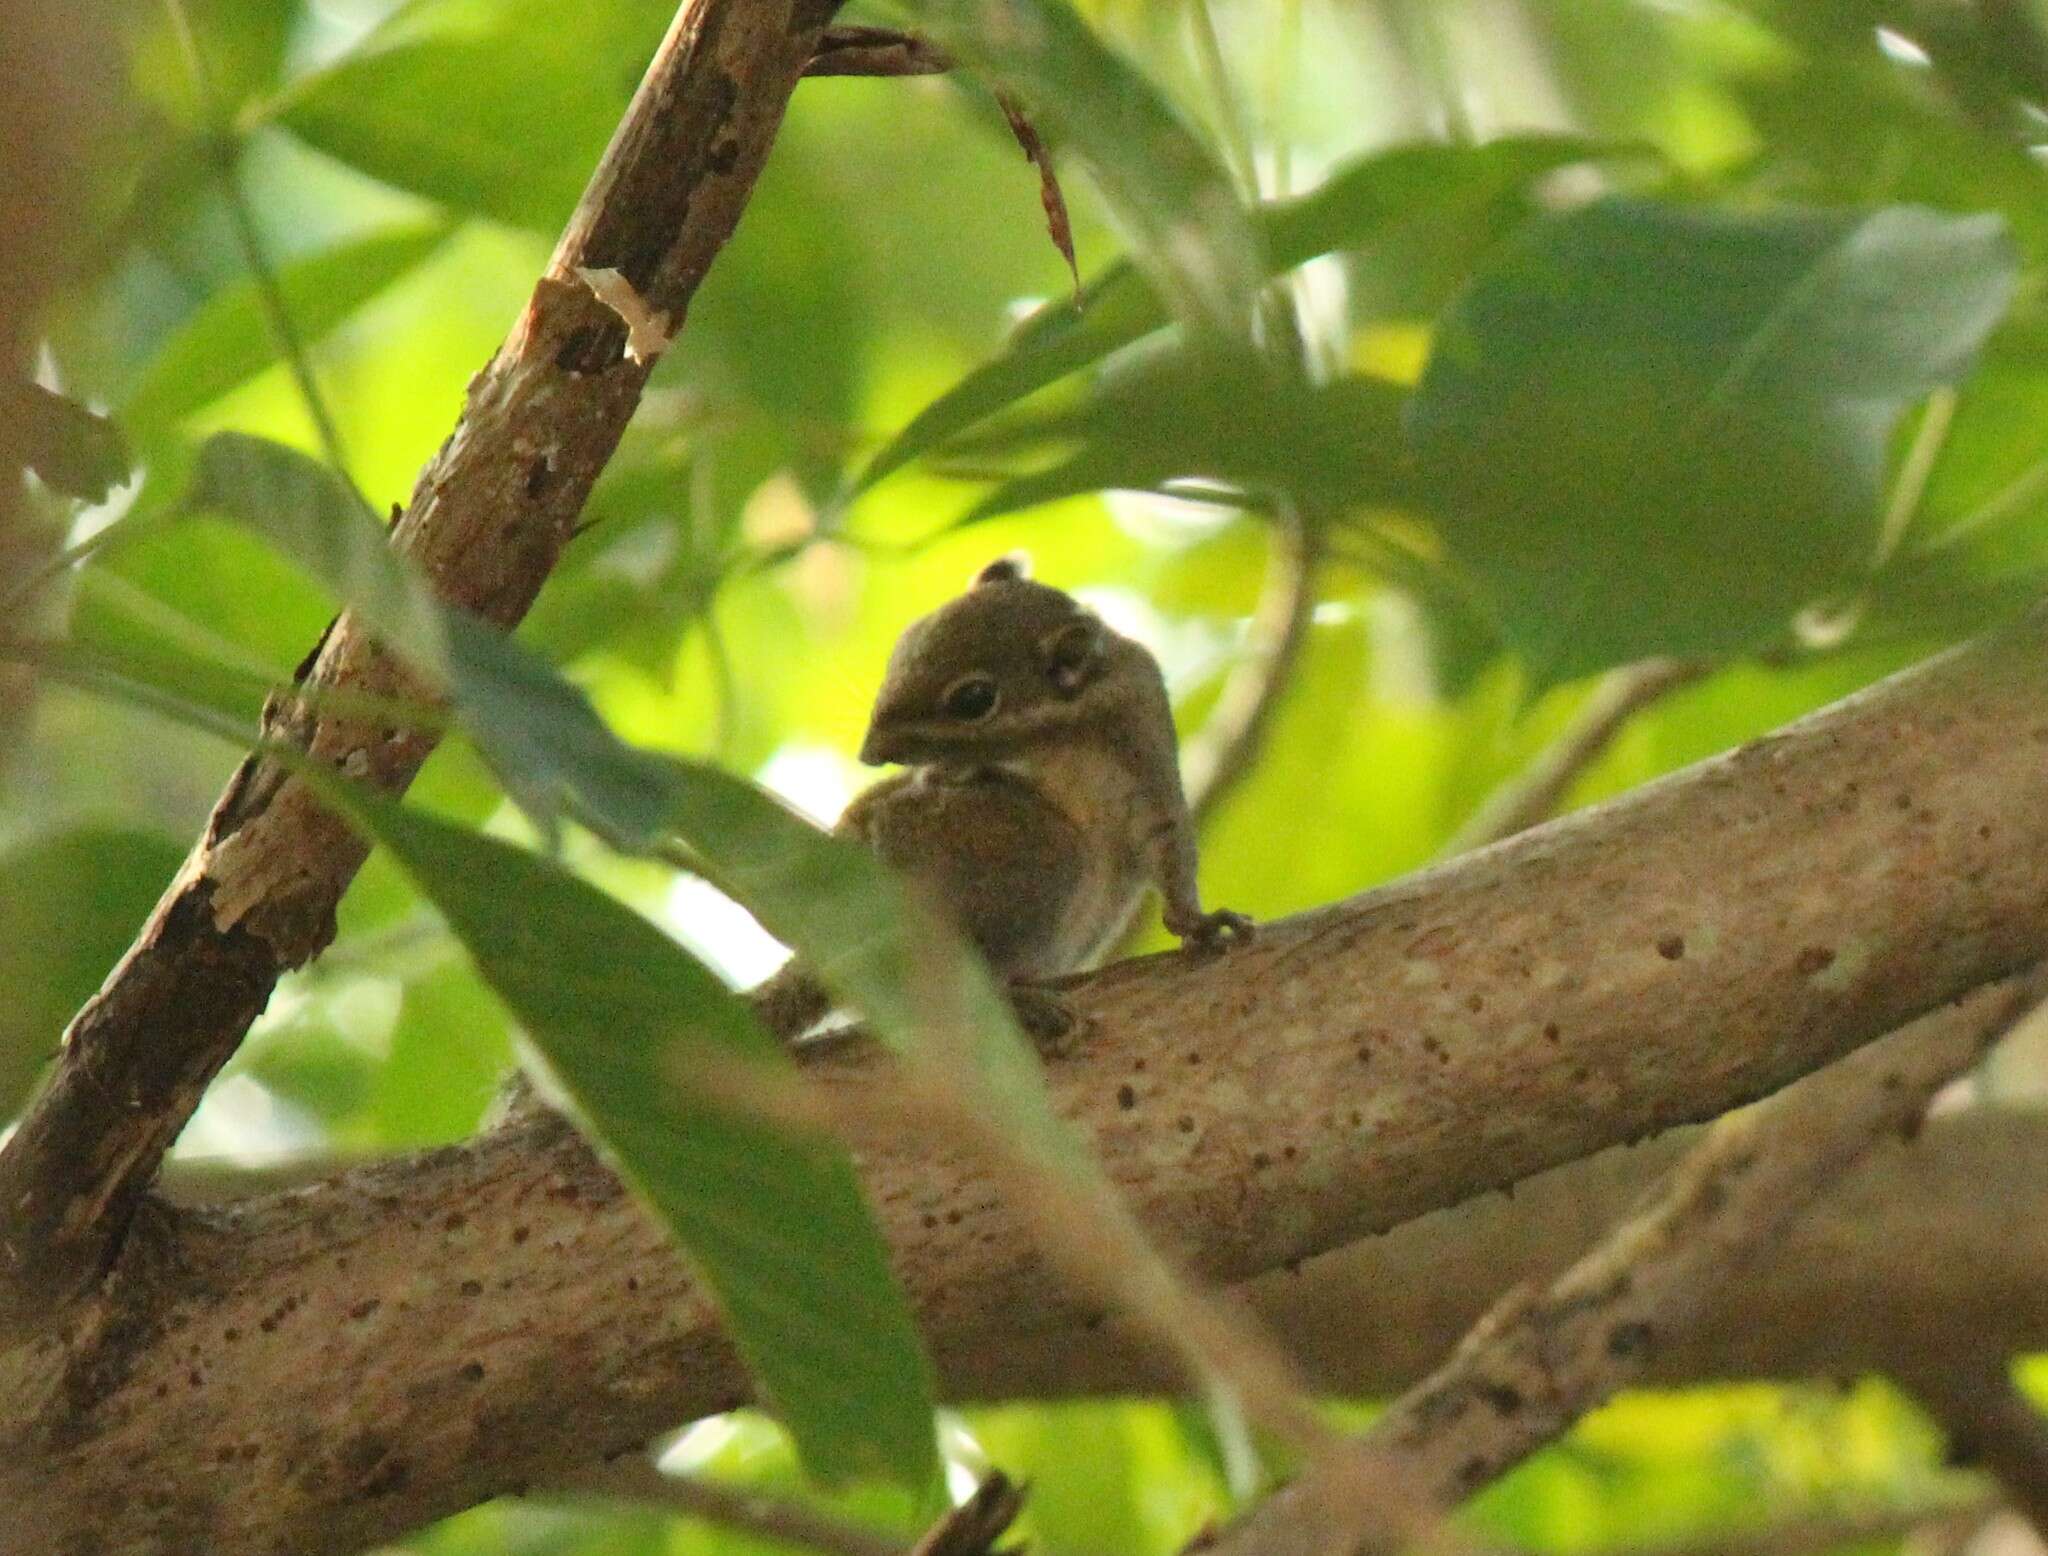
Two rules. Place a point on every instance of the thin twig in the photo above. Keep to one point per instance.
(848, 50)
(1990, 1423)
(972, 1528)
(1534, 794)
(1540, 1359)
(635, 1479)
(270, 294)
(1943, 1525)
(1221, 755)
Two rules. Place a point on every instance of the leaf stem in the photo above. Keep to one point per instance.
(222, 148)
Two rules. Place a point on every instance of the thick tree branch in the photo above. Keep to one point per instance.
(487, 521)
(1541, 1358)
(451, 1326)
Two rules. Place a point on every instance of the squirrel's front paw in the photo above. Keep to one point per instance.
(1212, 931)
(1046, 1019)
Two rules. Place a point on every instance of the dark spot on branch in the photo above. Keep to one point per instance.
(1814, 959)
(1671, 947)
(592, 349)
(1505, 1398)
(472, 1288)
(1126, 1098)
(1628, 1339)
(364, 1309)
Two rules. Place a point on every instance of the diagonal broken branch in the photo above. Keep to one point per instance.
(488, 518)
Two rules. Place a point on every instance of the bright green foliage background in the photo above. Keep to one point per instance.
(1780, 399)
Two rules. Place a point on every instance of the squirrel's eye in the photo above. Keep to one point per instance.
(971, 699)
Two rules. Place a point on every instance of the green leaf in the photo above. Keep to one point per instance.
(498, 109)
(1372, 199)
(229, 341)
(69, 904)
(1188, 231)
(537, 732)
(74, 451)
(1167, 414)
(1654, 430)
(777, 1226)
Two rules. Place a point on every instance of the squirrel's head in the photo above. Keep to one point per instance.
(1009, 663)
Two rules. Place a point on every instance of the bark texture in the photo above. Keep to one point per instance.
(454, 1325)
(1541, 1358)
(488, 519)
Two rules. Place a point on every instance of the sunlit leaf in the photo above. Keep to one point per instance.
(1654, 430)
(1169, 415)
(1396, 190)
(229, 340)
(1187, 229)
(69, 904)
(405, 106)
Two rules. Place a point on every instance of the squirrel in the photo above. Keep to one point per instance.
(1041, 793)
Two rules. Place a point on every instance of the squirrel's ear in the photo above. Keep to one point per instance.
(1072, 655)
(1004, 569)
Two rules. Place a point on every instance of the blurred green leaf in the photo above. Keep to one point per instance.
(74, 451)
(496, 107)
(1662, 431)
(778, 1226)
(69, 905)
(229, 340)
(1163, 415)
(1187, 230)
(539, 735)
(1406, 187)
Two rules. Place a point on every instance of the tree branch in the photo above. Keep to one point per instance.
(1540, 1359)
(488, 519)
(634, 1479)
(1223, 752)
(876, 51)
(1533, 795)
(1989, 1422)
(453, 1325)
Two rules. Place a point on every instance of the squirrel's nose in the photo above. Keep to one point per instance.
(877, 748)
